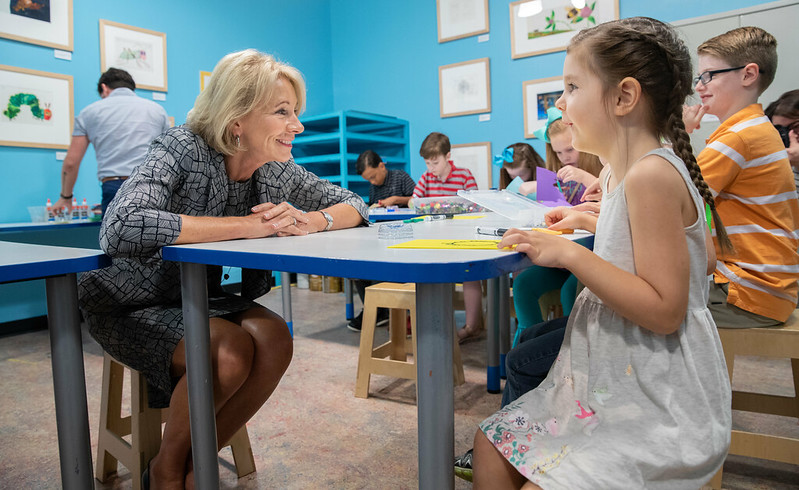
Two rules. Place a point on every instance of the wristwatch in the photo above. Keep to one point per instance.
(329, 220)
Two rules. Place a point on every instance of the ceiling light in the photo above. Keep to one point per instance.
(529, 9)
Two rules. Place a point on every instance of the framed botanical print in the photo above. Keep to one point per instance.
(554, 24)
(37, 108)
(140, 52)
(44, 22)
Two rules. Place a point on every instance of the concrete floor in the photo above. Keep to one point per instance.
(313, 432)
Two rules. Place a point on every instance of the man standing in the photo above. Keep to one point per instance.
(120, 126)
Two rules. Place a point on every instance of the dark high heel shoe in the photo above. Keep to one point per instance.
(469, 332)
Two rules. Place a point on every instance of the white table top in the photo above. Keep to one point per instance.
(358, 253)
(21, 261)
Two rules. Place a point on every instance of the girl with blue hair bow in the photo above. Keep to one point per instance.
(518, 160)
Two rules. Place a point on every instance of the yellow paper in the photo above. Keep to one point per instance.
(449, 244)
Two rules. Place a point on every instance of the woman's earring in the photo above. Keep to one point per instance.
(238, 142)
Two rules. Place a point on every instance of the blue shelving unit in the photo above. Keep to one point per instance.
(332, 142)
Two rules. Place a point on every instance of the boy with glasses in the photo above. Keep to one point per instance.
(746, 166)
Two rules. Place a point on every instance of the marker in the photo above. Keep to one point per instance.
(413, 220)
(482, 230)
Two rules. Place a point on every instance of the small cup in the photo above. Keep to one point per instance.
(395, 231)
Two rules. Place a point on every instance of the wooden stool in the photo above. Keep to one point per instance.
(399, 298)
(779, 342)
(143, 426)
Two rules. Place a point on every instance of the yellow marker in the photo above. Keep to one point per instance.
(566, 231)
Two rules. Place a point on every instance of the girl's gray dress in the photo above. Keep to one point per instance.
(133, 308)
(623, 407)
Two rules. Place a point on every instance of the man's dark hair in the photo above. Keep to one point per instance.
(115, 78)
(369, 158)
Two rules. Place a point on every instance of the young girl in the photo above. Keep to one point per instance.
(576, 170)
(639, 396)
(519, 160)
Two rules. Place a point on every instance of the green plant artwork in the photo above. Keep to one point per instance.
(573, 19)
(16, 101)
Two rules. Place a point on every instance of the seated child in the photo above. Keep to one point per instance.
(746, 166)
(519, 160)
(389, 187)
(784, 115)
(576, 170)
(443, 178)
(639, 395)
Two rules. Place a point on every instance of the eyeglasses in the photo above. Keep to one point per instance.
(707, 76)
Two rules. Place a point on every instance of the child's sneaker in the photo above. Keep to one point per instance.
(463, 466)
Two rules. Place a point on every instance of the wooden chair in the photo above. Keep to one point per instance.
(399, 298)
(778, 342)
(143, 426)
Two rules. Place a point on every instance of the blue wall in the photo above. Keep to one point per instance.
(387, 58)
(198, 34)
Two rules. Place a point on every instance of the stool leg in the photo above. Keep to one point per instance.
(365, 351)
(457, 364)
(145, 427)
(397, 333)
(110, 410)
(242, 452)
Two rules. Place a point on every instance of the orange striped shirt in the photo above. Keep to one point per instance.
(747, 168)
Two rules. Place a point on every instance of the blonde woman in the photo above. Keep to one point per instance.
(226, 174)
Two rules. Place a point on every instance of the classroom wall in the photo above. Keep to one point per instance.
(198, 34)
(386, 58)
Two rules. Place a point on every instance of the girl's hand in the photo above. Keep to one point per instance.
(570, 173)
(283, 218)
(593, 192)
(692, 116)
(528, 187)
(578, 217)
(542, 248)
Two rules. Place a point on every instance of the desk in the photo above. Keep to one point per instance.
(59, 265)
(354, 253)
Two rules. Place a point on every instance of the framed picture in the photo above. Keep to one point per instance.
(37, 108)
(477, 158)
(140, 52)
(539, 95)
(464, 88)
(552, 27)
(461, 18)
(43, 22)
(204, 77)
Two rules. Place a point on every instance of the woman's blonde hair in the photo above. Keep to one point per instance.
(586, 161)
(240, 83)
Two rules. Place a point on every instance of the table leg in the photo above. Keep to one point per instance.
(349, 311)
(435, 400)
(492, 337)
(504, 321)
(198, 370)
(69, 382)
(285, 282)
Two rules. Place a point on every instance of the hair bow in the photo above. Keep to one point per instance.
(505, 156)
(553, 114)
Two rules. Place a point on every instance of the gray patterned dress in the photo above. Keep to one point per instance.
(133, 308)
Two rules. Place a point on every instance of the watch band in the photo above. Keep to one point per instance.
(329, 220)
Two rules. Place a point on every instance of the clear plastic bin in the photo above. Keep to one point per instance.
(444, 205)
(509, 204)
